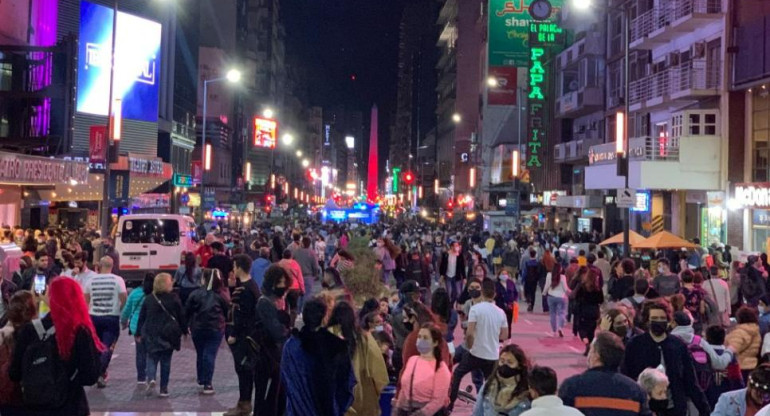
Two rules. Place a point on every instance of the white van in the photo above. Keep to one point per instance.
(153, 243)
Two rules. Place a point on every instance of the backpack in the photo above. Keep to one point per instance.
(704, 373)
(44, 379)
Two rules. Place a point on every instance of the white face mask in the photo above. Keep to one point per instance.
(504, 277)
(661, 269)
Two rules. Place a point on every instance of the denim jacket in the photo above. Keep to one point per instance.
(485, 407)
(731, 403)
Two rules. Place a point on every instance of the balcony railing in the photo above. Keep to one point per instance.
(664, 149)
(669, 12)
(678, 79)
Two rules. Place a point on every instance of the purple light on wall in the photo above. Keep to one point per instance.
(44, 25)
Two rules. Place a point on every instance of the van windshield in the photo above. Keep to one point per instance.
(163, 232)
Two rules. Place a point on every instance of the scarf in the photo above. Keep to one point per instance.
(503, 396)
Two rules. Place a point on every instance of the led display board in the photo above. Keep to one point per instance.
(137, 63)
(265, 132)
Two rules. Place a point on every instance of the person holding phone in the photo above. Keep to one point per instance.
(35, 278)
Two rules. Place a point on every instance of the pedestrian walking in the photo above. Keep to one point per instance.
(487, 326)
(602, 390)
(452, 271)
(745, 339)
(557, 292)
(21, 309)
(206, 312)
(307, 259)
(588, 297)
(129, 318)
(542, 389)
(425, 379)
(506, 390)
(161, 327)
(316, 368)
(64, 344)
(106, 295)
(188, 276)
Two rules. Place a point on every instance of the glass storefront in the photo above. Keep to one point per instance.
(713, 228)
(760, 229)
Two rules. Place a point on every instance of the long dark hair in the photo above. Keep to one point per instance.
(589, 281)
(436, 336)
(440, 304)
(189, 266)
(344, 316)
(523, 385)
(555, 275)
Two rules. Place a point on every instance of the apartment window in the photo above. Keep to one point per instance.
(615, 79)
(761, 137)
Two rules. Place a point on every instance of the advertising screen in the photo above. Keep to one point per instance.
(137, 63)
(265, 131)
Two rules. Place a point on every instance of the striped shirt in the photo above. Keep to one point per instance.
(105, 290)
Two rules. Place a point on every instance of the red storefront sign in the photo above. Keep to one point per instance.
(197, 171)
(97, 140)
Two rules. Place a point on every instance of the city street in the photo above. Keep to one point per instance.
(123, 397)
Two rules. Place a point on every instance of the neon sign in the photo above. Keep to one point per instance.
(536, 107)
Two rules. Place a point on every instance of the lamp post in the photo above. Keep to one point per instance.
(622, 118)
(233, 76)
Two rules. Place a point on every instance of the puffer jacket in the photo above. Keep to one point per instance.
(745, 341)
(206, 310)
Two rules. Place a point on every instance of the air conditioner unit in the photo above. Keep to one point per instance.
(672, 59)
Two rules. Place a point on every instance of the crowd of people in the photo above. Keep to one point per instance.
(667, 333)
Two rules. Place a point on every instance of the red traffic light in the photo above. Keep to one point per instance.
(408, 178)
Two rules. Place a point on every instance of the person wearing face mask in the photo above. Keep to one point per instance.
(754, 400)
(414, 317)
(425, 379)
(655, 349)
(487, 327)
(506, 390)
(666, 283)
(506, 295)
(474, 292)
(602, 390)
(655, 383)
(617, 321)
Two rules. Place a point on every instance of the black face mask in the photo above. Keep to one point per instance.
(279, 291)
(620, 330)
(505, 371)
(475, 293)
(409, 326)
(658, 406)
(658, 328)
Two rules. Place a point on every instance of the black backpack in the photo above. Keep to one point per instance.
(44, 380)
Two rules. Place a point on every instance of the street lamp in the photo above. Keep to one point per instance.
(582, 4)
(288, 139)
(456, 118)
(299, 153)
(492, 82)
(268, 113)
(305, 163)
(232, 76)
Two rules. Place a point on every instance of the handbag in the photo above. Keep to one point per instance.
(172, 332)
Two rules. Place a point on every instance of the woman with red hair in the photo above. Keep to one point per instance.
(77, 347)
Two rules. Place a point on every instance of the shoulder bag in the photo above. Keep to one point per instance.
(172, 332)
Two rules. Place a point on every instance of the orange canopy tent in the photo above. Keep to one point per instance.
(664, 239)
(633, 238)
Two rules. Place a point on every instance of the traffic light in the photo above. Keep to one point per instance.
(408, 177)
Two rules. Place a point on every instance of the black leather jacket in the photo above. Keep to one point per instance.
(206, 310)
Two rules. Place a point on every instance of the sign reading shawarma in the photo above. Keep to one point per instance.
(509, 31)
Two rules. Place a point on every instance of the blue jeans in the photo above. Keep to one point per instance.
(206, 343)
(108, 330)
(164, 359)
(141, 362)
(454, 286)
(557, 310)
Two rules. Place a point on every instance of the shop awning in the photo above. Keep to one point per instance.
(664, 239)
(633, 239)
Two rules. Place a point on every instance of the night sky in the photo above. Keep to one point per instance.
(339, 39)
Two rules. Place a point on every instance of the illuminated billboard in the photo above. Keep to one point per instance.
(265, 132)
(137, 63)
